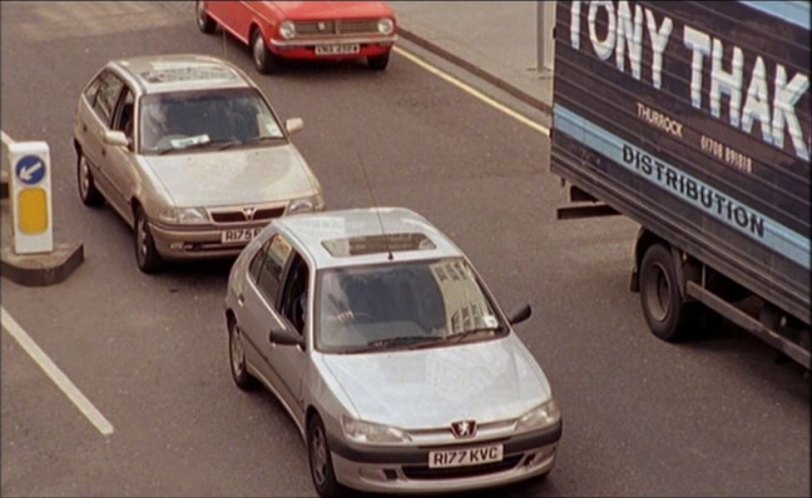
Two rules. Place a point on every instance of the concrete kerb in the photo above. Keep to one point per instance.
(39, 269)
(4, 167)
(490, 78)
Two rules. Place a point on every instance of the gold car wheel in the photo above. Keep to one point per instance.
(142, 239)
(87, 188)
(147, 257)
(84, 177)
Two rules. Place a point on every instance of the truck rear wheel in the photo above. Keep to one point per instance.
(667, 313)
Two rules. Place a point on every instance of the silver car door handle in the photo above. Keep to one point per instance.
(240, 299)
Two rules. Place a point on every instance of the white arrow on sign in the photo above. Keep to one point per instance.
(27, 172)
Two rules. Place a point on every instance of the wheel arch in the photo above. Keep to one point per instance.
(647, 239)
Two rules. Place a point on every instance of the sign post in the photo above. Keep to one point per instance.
(30, 195)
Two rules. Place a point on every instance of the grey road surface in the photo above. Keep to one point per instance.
(720, 416)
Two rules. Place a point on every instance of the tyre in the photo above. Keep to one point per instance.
(379, 62)
(236, 357)
(87, 186)
(264, 60)
(204, 23)
(147, 257)
(667, 313)
(321, 464)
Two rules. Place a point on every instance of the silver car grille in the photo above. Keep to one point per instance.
(246, 214)
(337, 27)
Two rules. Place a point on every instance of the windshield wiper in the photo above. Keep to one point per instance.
(409, 340)
(459, 336)
(223, 144)
(250, 141)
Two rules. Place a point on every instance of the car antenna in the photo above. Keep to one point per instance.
(224, 42)
(390, 257)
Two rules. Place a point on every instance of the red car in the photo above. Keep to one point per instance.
(305, 30)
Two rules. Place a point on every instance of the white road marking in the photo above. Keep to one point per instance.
(473, 92)
(57, 376)
(6, 139)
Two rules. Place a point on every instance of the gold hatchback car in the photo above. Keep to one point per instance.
(190, 153)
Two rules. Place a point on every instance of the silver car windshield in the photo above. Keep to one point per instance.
(201, 119)
(406, 305)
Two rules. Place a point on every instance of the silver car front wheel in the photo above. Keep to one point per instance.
(236, 356)
(321, 465)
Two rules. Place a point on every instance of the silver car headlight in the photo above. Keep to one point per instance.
(544, 415)
(360, 431)
(386, 26)
(184, 216)
(287, 30)
(306, 204)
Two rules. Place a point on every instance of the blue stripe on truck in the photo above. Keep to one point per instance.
(796, 13)
(688, 188)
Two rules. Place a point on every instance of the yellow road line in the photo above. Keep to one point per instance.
(474, 92)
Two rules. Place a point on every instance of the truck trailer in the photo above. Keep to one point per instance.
(693, 120)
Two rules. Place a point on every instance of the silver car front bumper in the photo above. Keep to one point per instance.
(406, 469)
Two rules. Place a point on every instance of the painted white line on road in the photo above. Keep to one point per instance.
(6, 139)
(474, 92)
(60, 379)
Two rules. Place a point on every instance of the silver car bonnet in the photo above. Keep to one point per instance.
(229, 177)
(430, 388)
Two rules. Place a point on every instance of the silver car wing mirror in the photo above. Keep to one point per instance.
(520, 314)
(285, 337)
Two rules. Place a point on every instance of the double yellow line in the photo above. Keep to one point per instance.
(474, 92)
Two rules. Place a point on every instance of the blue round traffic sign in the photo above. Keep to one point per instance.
(30, 169)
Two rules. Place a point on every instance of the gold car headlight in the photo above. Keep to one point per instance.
(360, 431)
(306, 204)
(386, 26)
(544, 415)
(287, 30)
(183, 216)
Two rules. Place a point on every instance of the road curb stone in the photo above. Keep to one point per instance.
(39, 270)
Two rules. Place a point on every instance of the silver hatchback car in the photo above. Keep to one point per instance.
(190, 153)
(380, 339)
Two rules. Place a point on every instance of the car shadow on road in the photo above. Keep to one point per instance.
(534, 487)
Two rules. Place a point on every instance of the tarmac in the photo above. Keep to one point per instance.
(495, 40)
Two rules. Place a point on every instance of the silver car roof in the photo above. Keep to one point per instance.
(309, 231)
(179, 72)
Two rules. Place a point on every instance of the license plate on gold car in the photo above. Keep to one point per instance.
(337, 49)
(239, 235)
(467, 456)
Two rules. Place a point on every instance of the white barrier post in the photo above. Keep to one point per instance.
(30, 196)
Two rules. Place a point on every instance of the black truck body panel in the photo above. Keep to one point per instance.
(714, 161)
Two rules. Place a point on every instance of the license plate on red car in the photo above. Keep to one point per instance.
(239, 235)
(467, 456)
(338, 49)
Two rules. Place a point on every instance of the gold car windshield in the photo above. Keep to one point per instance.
(176, 121)
(404, 305)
